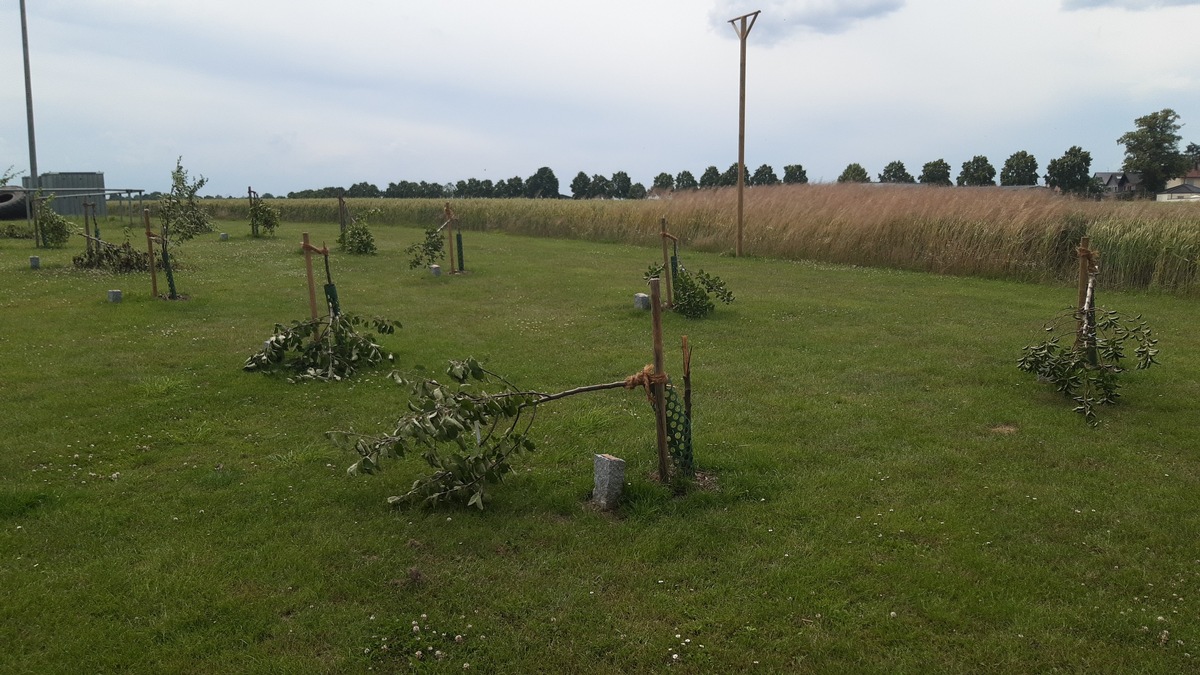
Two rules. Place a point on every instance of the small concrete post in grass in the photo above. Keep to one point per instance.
(641, 301)
(610, 480)
(34, 262)
(224, 236)
(436, 270)
(114, 296)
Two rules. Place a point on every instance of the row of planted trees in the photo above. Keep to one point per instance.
(1070, 173)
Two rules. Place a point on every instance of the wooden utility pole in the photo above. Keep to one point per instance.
(741, 26)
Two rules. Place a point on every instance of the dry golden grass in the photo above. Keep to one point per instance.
(988, 232)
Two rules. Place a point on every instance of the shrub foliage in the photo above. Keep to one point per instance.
(1086, 371)
(56, 230)
(325, 348)
(694, 292)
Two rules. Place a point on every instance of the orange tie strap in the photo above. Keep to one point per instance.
(645, 378)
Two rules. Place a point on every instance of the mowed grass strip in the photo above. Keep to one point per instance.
(892, 494)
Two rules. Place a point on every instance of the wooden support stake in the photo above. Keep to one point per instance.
(660, 389)
(312, 288)
(448, 223)
(666, 261)
(1085, 266)
(1085, 261)
(687, 379)
(343, 216)
(150, 247)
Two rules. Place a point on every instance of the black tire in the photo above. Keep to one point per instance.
(12, 203)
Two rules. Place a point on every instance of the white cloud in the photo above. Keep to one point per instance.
(286, 95)
(1133, 5)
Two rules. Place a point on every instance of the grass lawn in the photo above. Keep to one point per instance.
(893, 495)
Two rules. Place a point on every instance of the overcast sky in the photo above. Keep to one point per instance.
(284, 95)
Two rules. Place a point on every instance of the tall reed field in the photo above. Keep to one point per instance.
(1026, 235)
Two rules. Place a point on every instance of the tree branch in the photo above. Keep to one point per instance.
(544, 398)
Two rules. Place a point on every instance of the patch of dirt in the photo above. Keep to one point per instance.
(706, 481)
(1004, 429)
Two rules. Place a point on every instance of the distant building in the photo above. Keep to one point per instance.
(1117, 183)
(71, 190)
(1182, 192)
(1192, 177)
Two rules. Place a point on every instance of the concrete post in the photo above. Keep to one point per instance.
(610, 480)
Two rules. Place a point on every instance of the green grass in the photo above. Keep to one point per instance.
(875, 449)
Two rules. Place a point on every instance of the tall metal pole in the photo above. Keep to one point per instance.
(741, 26)
(33, 171)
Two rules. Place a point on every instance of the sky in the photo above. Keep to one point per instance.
(285, 95)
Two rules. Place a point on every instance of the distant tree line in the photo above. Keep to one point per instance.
(543, 184)
(1070, 173)
(1151, 150)
(712, 177)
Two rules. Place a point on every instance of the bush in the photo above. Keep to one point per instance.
(264, 218)
(428, 252)
(16, 230)
(692, 292)
(182, 215)
(358, 238)
(120, 259)
(56, 230)
(1086, 372)
(327, 348)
